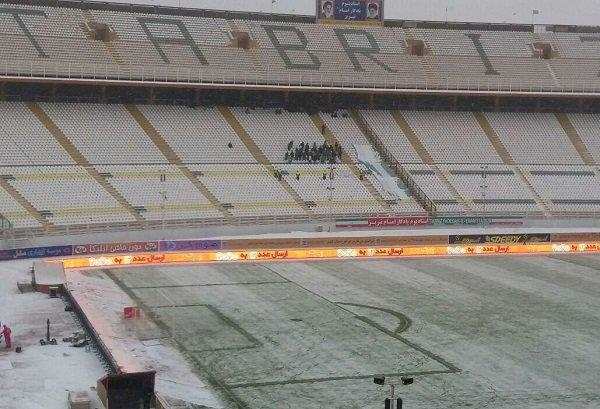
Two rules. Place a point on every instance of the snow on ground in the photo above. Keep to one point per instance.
(137, 345)
(494, 332)
(40, 377)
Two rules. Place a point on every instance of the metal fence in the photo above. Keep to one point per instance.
(277, 77)
(571, 195)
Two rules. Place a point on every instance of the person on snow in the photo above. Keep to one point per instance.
(6, 332)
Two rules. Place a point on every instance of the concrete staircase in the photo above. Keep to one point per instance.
(575, 139)
(17, 197)
(78, 157)
(507, 159)
(259, 156)
(173, 158)
(426, 158)
(392, 163)
(332, 140)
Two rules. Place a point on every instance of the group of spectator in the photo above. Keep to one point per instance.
(304, 152)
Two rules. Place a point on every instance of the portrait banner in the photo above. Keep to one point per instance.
(350, 10)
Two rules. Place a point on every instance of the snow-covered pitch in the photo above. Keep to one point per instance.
(495, 332)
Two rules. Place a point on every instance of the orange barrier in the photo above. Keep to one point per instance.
(330, 253)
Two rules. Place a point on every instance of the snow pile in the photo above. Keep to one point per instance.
(40, 377)
(137, 345)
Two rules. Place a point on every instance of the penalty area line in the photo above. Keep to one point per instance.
(334, 379)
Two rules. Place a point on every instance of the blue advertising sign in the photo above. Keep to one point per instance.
(116, 248)
(36, 252)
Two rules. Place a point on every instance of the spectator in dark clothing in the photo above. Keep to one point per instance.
(305, 152)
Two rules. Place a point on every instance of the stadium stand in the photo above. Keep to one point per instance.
(162, 191)
(104, 134)
(55, 42)
(382, 123)
(534, 138)
(446, 135)
(223, 158)
(461, 171)
(14, 212)
(437, 189)
(248, 190)
(198, 135)
(66, 195)
(344, 195)
(569, 189)
(25, 140)
(587, 126)
(492, 188)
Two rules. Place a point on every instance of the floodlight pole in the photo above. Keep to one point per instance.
(163, 194)
(392, 402)
(331, 188)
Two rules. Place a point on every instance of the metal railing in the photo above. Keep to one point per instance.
(282, 78)
(447, 220)
(93, 228)
(394, 165)
(489, 203)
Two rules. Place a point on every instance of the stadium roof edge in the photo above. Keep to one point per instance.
(260, 16)
(168, 10)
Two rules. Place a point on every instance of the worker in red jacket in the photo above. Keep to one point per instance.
(6, 333)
